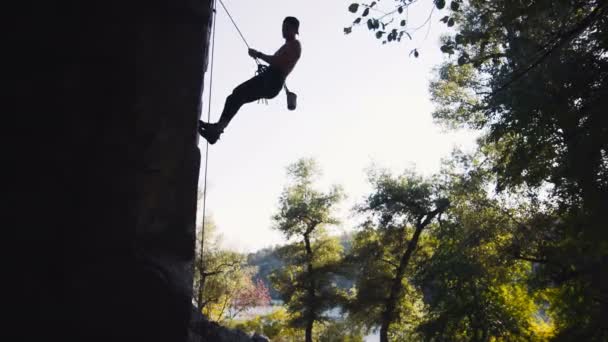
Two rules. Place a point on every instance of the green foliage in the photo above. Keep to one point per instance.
(396, 201)
(532, 75)
(387, 249)
(268, 260)
(301, 207)
(455, 94)
(474, 288)
(470, 278)
(376, 255)
(340, 330)
(293, 280)
(276, 326)
(306, 282)
(219, 276)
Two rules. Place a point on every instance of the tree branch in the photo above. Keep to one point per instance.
(531, 259)
(220, 269)
(482, 59)
(565, 39)
(390, 263)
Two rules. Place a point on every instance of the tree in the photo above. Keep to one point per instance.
(267, 260)
(249, 295)
(373, 263)
(305, 283)
(219, 276)
(475, 288)
(274, 325)
(399, 209)
(533, 76)
(341, 330)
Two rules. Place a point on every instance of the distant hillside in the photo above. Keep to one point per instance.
(266, 261)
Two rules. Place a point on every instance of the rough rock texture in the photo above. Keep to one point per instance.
(103, 167)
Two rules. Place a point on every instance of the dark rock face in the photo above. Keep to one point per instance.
(103, 168)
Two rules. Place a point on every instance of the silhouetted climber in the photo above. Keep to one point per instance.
(265, 85)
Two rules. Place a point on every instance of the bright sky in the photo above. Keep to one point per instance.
(359, 103)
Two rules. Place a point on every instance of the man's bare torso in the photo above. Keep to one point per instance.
(287, 56)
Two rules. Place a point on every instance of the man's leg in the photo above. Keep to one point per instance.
(247, 92)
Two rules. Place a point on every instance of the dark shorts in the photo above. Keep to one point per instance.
(266, 85)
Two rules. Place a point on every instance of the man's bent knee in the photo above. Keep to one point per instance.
(234, 97)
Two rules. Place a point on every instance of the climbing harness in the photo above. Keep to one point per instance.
(291, 97)
(261, 69)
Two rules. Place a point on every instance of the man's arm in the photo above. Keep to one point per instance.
(284, 57)
(266, 58)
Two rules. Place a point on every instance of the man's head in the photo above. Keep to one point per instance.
(291, 27)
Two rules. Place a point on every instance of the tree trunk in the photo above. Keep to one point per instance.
(309, 325)
(391, 303)
(201, 290)
(203, 278)
(310, 320)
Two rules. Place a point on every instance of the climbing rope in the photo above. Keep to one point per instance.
(234, 23)
(213, 17)
(261, 67)
(239, 31)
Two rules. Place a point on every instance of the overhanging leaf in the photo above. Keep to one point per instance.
(459, 39)
(462, 60)
(440, 4)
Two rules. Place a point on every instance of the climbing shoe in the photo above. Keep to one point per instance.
(204, 125)
(211, 132)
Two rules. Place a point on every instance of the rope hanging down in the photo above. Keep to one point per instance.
(238, 29)
(213, 17)
(234, 23)
(211, 65)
